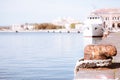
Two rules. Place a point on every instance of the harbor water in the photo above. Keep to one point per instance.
(40, 56)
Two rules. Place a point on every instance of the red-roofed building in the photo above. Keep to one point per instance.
(111, 17)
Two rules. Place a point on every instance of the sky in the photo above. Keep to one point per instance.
(41, 11)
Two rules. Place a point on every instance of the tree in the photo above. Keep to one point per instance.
(72, 26)
(47, 26)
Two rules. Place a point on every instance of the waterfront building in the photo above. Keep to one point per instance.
(23, 27)
(16, 27)
(111, 18)
(28, 26)
(79, 26)
(66, 22)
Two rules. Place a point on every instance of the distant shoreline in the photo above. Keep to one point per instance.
(47, 31)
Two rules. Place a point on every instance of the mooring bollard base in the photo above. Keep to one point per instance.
(92, 64)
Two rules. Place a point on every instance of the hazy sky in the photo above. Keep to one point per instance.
(38, 11)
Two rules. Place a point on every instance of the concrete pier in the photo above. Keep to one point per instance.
(107, 73)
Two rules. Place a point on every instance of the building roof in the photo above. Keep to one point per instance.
(107, 10)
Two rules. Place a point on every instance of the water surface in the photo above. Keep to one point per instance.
(39, 56)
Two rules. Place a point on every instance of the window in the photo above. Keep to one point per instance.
(113, 25)
(113, 18)
(118, 25)
(87, 28)
(95, 28)
(106, 18)
(117, 18)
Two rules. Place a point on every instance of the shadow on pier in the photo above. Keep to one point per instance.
(114, 65)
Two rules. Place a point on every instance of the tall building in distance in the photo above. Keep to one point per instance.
(111, 18)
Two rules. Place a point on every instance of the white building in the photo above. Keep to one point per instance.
(16, 27)
(65, 22)
(29, 26)
(111, 17)
(79, 26)
(22, 27)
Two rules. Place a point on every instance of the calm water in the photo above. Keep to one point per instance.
(39, 56)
